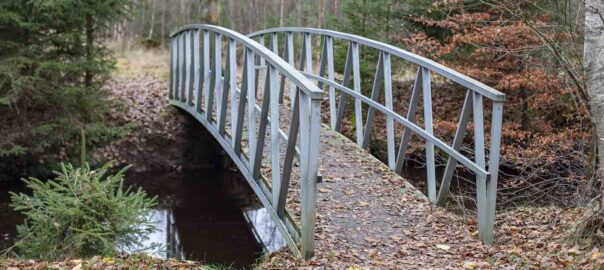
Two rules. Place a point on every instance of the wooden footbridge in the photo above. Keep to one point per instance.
(261, 96)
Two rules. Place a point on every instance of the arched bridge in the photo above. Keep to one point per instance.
(262, 95)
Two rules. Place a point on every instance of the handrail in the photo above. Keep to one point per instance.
(398, 52)
(199, 87)
(486, 177)
(298, 79)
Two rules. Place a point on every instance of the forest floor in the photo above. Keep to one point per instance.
(129, 262)
(371, 218)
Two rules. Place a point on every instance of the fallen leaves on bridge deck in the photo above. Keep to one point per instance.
(371, 218)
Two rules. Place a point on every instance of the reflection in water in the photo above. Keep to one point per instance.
(164, 242)
(208, 216)
(264, 229)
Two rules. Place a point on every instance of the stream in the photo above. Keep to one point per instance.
(203, 215)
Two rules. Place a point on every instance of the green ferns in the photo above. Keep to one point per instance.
(81, 213)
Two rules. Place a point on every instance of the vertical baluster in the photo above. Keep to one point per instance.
(263, 123)
(460, 133)
(275, 135)
(331, 77)
(356, 74)
(327, 63)
(187, 66)
(173, 66)
(275, 49)
(207, 74)
(260, 66)
(224, 94)
(309, 150)
(427, 95)
(481, 188)
(496, 122)
(375, 95)
(290, 60)
(198, 71)
(181, 65)
(343, 96)
(400, 158)
(191, 65)
(247, 65)
(308, 53)
(389, 120)
(290, 152)
(217, 71)
(275, 43)
(251, 105)
(233, 85)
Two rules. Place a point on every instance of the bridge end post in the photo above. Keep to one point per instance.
(496, 123)
(309, 160)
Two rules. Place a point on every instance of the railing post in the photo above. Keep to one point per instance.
(481, 188)
(427, 95)
(309, 152)
(496, 122)
(389, 105)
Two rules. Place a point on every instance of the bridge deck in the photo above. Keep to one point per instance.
(368, 216)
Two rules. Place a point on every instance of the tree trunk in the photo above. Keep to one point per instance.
(152, 26)
(89, 26)
(281, 10)
(321, 15)
(594, 72)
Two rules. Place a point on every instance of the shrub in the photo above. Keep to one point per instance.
(81, 213)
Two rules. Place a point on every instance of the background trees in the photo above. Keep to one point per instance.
(55, 59)
(52, 65)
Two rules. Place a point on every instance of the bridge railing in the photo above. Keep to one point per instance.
(473, 104)
(204, 66)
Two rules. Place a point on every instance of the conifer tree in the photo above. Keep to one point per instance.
(52, 65)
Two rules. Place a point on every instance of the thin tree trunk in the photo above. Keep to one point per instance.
(594, 72)
(163, 25)
(321, 15)
(281, 11)
(152, 26)
(89, 26)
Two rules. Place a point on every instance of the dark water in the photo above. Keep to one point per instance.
(203, 215)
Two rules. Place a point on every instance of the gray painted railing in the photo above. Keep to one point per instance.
(198, 86)
(486, 177)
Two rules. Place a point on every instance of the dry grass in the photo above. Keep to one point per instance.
(137, 61)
